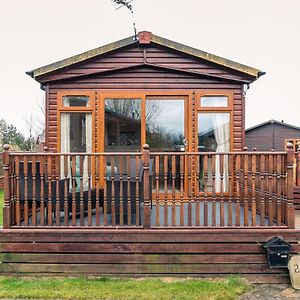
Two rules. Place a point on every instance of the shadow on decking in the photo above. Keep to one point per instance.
(230, 217)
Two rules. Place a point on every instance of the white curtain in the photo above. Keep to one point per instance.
(88, 142)
(221, 123)
(64, 141)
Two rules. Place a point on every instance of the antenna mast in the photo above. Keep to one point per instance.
(126, 3)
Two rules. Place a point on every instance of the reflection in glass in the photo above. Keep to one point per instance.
(165, 124)
(122, 124)
(214, 101)
(214, 136)
(71, 101)
(165, 132)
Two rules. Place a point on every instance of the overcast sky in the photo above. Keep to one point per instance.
(260, 33)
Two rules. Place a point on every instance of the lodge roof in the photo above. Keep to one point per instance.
(282, 123)
(147, 38)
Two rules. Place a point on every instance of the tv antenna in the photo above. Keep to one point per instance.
(126, 3)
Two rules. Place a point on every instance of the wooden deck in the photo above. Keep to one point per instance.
(140, 252)
(115, 227)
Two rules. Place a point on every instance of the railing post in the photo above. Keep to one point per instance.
(290, 209)
(7, 204)
(298, 168)
(147, 209)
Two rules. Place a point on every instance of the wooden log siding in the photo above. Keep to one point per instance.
(143, 190)
(179, 72)
(142, 252)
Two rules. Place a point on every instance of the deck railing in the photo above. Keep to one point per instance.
(148, 190)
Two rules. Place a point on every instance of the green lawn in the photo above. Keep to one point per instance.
(1, 207)
(106, 288)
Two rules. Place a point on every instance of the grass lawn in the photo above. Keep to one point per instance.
(106, 288)
(1, 207)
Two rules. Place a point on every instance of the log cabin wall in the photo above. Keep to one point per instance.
(270, 136)
(144, 68)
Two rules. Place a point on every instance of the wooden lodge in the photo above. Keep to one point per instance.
(145, 170)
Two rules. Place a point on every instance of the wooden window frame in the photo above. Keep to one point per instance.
(143, 95)
(76, 109)
(228, 109)
(212, 93)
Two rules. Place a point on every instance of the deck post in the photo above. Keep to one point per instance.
(298, 168)
(290, 209)
(7, 204)
(147, 209)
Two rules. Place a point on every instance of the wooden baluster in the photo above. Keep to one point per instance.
(230, 185)
(290, 209)
(253, 189)
(221, 156)
(238, 193)
(57, 187)
(43, 180)
(12, 189)
(7, 203)
(246, 189)
(190, 183)
(97, 177)
(298, 167)
(214, 210)
(33, 207)
(81, 205)
(270, 183)
(88, 157)
(213, 169)
(157, 204)
(121, 170)
(283, 186)
(137, 195)
(147, 208)
(25, 211)
(181, 190)
(129, 190)
(66, 189)
(166, 171)
(18, 207)
(73, 157)
(278, 190)
(197, 206)
(113, 201)
(262, 190)
(104, 160)
(50, 196)
(173, 190)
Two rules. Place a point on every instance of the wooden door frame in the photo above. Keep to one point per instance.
(228, 109)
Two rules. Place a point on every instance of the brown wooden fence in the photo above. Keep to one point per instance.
(148, 190)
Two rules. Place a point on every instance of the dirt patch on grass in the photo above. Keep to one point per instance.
(270, 292)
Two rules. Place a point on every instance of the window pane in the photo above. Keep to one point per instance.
(214, 132)
(76, 132)
(82, 101)
(122, 124)
(214, 101)
(165, 124)
(214, 136)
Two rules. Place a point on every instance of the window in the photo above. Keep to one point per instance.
(73, 101)
(214, 132)
(122, 124)
(214, 101)
(165, 124)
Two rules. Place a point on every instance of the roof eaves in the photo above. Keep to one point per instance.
(81, 57)
(207, 56)
(272, 122)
